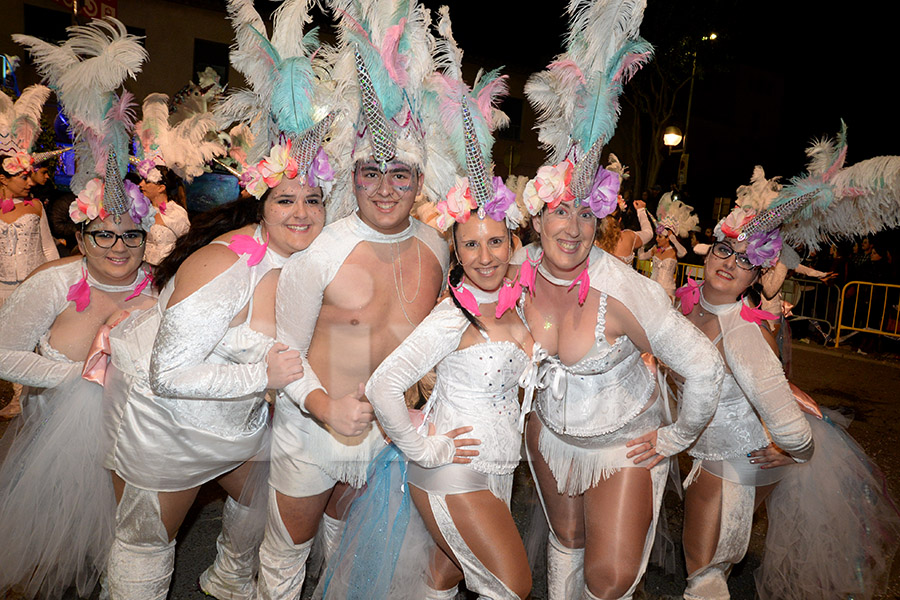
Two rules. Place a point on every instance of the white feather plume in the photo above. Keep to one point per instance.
(20, 121)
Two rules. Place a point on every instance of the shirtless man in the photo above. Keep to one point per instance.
(346, 304)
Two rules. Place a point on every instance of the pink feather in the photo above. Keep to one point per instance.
(80, 293)
(836, 165)
(631, 65)
(394, 62)
(488, 96)
(567, 70)
(122, 110)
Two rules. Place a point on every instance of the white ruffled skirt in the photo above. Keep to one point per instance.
(57, 506)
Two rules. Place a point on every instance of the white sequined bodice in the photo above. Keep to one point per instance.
(479, 386)
(601, 392)
(20, 247)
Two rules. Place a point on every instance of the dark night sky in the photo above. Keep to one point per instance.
(787, 72)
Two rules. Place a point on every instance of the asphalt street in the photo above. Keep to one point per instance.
(860, 386)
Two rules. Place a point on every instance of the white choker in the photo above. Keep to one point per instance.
(715, 309)
(481, 296)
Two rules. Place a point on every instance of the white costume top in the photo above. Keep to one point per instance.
(188, 401)
(611, 385)
(756, 397)
(476, 386)
(301, 288)
(25, 244)
(161, 238)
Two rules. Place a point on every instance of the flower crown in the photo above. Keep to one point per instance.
(89, 204)
(20, 162)
(552, 185)
(460, 202)
(280, 163)
(763, 247)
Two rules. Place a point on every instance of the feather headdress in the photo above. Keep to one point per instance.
(839, 201)
(384, 57)
(467, 119)
(86, 70)
(20, 125)
(577, 99)
(183, 148)
(675, 216)
(289, 106)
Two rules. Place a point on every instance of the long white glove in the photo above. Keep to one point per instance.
(435, 337)
(26, 316)
(761, 376)
(190, 331)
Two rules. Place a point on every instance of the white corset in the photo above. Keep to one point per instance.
(601, 392)
(664, 273)
(20, 248)
(735, 429)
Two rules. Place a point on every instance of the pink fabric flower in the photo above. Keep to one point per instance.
(465, 298)
(756, 315)
(80, 292)
(278, 164)
(510, 292)
(584, 281)
(689, 295)
(549, 187)
(18, 163)
(247, 244)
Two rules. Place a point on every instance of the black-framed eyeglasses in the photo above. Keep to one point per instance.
(723, 251)
(133, 238)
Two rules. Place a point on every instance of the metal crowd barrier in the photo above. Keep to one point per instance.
(682, 272)
(870, 308)
(813, 301)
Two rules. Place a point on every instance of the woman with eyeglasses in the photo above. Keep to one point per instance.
(828, 521)
(56, 499)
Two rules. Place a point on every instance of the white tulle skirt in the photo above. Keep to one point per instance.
(833, 527)
(57, 506)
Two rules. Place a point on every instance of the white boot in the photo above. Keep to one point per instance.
(565, 570)
(332, 530)
(230, 577)
(142, 558)
(282, 564)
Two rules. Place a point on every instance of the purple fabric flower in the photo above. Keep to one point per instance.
(145, 170)
(604, 192)
(503, 198)
(140, 204)
(320, 169)
(763, 249)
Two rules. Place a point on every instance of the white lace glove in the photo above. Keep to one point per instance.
(190, 331)
(761, 377)
(25, 317)
(436, 337)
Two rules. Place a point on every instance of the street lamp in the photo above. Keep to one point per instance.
(672, 137)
